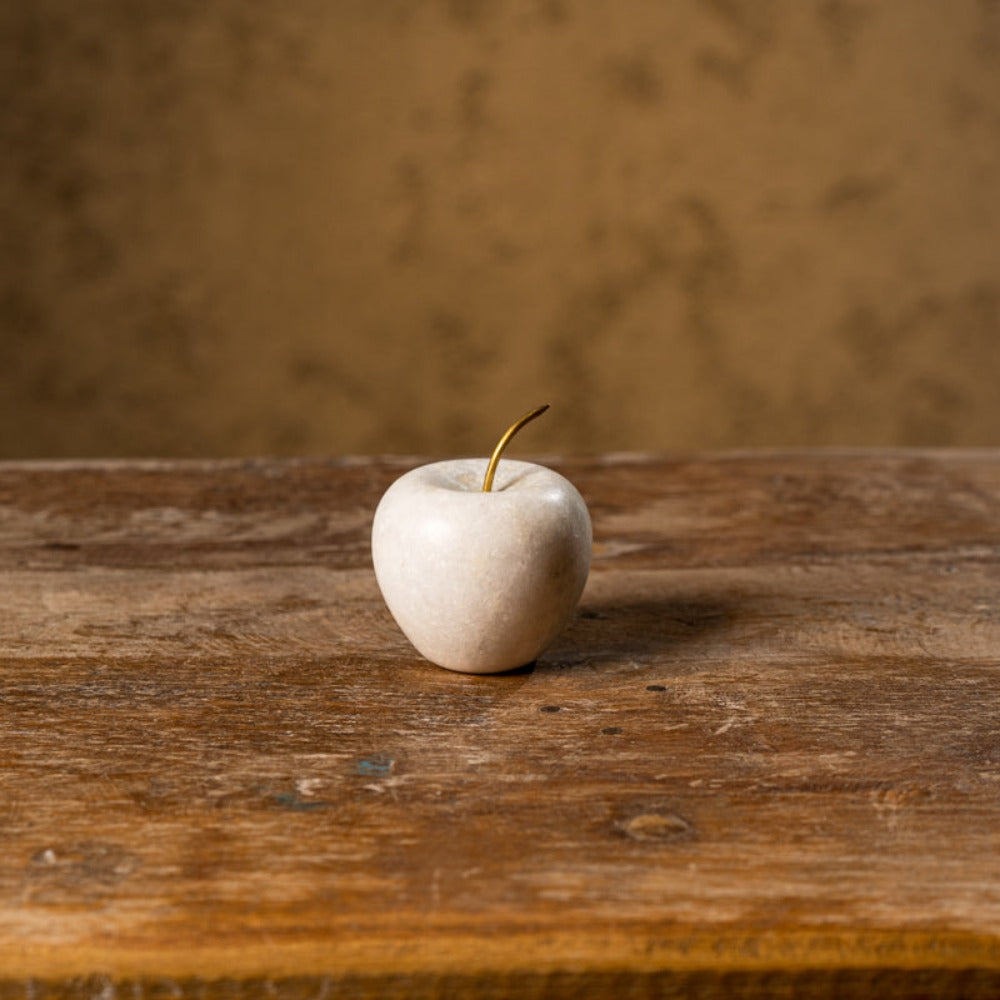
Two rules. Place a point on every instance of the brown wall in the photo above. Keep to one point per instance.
(319, 226)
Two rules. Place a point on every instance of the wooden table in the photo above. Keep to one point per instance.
(764, 760)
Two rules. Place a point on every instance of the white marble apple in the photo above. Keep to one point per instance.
(482, 563)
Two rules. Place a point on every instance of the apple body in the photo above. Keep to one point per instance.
(481, 582)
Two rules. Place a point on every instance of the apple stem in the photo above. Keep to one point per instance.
(491, 469)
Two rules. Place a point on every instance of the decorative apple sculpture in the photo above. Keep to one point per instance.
(481, 563)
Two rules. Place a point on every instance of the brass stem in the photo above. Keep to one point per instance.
(498, 450)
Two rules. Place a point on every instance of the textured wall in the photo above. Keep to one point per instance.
(243, 226)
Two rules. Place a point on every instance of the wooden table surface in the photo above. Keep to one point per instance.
(764, 759)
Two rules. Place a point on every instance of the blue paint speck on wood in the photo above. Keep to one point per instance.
(377, 765)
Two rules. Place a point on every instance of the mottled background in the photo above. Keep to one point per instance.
(249, 226)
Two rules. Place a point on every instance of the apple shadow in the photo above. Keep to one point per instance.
(622, 631)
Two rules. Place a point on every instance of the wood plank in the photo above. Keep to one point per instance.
(764, 757)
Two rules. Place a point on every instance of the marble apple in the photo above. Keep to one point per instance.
(481, 563)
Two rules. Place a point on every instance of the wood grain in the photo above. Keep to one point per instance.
(764, 759)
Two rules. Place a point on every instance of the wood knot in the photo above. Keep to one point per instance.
(665, 827)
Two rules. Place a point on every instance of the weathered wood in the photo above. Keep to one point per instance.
(764, 759)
